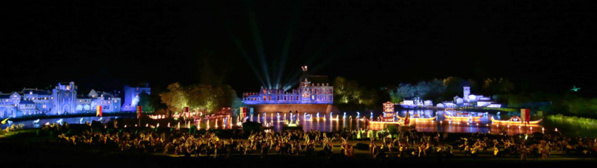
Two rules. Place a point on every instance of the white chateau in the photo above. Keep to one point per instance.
(467, 100)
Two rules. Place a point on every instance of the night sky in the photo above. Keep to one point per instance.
(104, 45)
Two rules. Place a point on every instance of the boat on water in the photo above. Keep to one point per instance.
(515, 121)
(460, 119)
(418, 118)
(379, 125)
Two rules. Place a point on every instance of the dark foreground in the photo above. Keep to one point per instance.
(41, 155)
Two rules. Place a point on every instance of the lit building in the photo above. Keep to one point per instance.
(469, 99)
(61, 100)
(131, 96)
(417, 102)
(314, 94)
(313, 89)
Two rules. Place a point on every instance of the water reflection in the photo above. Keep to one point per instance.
(444, 121)
(38, 123)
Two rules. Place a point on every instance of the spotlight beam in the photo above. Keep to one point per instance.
(259, 46)
(251, 64)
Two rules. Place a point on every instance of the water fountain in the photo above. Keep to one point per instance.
(216, 123)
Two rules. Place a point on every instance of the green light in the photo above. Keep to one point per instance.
(575, 89)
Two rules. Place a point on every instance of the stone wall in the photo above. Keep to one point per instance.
(310, 108)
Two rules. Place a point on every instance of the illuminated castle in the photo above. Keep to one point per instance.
(63, 99)
(131, 96)
(312, 89)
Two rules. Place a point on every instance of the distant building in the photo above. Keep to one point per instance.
(417, 102)
(313, 89)
(469, 99)
(131, 96)
(63, 99)
(313, 94)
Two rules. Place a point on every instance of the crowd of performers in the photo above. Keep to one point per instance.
(297, 142)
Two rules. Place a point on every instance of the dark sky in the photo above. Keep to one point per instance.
(106, 44)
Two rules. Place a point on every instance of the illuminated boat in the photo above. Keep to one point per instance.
(419, 119)
(515, 121)
(379, 125)
(461, 119)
